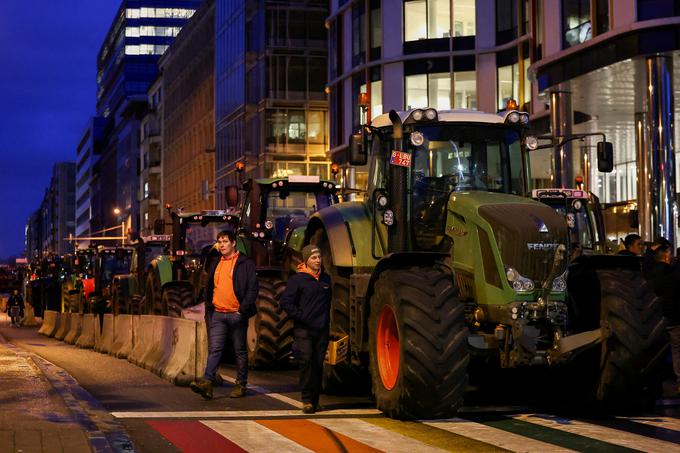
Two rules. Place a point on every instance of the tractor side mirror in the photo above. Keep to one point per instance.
(159, 226)
(605, 157)
(357, 151)
(231, 195)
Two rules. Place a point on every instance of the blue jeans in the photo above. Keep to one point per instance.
(222, 325)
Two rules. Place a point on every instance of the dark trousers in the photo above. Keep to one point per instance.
(310, 350)
(221, 327)
(674, 334)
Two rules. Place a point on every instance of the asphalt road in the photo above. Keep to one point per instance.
(156, 416)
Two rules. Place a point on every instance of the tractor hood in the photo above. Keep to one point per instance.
(524, 234)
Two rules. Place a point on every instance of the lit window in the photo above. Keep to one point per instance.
(132, 50)
(576, 26)
(146, 189)
(426, 19)
(465, 87)
(132, 13)
(428, 90)
(414, 20)
(132, 32)
(464, 23)
(416, 91)
(376, 97)
(508, 84)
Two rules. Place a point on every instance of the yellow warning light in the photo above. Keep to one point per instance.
(335, 169)
(240, 166)
(511, 104)
(364, 101)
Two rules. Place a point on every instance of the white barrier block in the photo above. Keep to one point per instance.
(87, 334)
(64, 326)
(122, 337)
(104, 337)
(50, 321)
(75, 329)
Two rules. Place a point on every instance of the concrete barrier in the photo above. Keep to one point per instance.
(86, 338)
(50, 322)
(104, 336)
(143, 340)
(64, 326)
(122, 336)
(187, 342)
(76, 327)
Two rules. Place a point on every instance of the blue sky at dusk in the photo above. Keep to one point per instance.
(48, 52)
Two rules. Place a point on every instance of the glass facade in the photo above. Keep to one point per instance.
(271, 105)
(576, 23)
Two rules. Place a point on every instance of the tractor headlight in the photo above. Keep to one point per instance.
(417, 138)
(560, 283)
(388, 217)
(417, 115)
(513, 117)
(531, 142)
(269, 224)
(431, 114)
(518, 282)
(382, 201)
(524, 118)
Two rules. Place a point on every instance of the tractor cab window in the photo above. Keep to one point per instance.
(466, 158)
(578, 222)
(114, 264)
(197, 236)
(153, 251)
(288, 210)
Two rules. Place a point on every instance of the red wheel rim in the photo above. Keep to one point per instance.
(387, 347)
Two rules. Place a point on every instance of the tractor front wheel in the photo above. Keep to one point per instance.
(270, 331)
(418, 347)
(176, 298)
(153, 305)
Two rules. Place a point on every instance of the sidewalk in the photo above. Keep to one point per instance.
(33, 417)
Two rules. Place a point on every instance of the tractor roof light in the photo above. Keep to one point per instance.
(417, 114)
(511, 104)
(431, 114)
(417, 138)
(513, 118)
(560, 283)
(519, 283)
(524, 118)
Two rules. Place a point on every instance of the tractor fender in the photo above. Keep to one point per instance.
(348, 228)
(400, 260)
(176, 283)
(162, 267)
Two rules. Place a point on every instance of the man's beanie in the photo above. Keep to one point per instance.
(308, 251)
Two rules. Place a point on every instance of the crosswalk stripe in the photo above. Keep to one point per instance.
(647, 431)
(194, 437)
(497, 437)
(251, 436)
(316, 437)
(375, 436)
(264, 391)
(658, 422)
(547, 434)
(603, 433)
(438, 438)
(287, 413)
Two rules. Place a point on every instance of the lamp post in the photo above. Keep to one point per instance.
(117, 211)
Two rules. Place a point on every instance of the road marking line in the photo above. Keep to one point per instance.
(288, 413)
(252, 436)
(375, 436)
(494, 436)
(264, 391)
(659, 422)
(609, 435)
(316, 437)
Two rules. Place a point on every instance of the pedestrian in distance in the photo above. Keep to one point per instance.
(650, 253)
(15, 308)
(307, 300)
(632, 245)
(230, 294)
(665, 279)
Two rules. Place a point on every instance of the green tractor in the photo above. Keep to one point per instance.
(448, 264)
(274, 216)
(583, 213)
(174, 283)
(78, 279)
(128, 289)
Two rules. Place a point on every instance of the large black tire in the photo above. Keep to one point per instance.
(344, 377)
(270, 331)
(631, 355)
(176, 298)
(153, 304)
(426, 379)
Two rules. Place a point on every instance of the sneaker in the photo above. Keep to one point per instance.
(203, 387)
(308, 408)
(238, 391)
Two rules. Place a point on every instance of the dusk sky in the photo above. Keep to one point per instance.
(48, 52)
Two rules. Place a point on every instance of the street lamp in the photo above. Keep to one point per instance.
(116, 211)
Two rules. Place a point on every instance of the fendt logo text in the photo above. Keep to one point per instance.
(542, 246)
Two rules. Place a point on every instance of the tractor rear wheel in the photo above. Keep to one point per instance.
(632, 352)
(153, 305)
(343, 377)
(176, 298)
(418, 343)
(270, 331)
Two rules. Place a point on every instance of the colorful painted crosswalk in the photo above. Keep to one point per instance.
(477, 433)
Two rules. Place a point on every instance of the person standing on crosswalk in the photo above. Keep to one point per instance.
(307, 300)
(230, 294)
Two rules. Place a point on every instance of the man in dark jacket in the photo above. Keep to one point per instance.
(307, 300)
(15, 307)
(666, 282)
(633, 245)
(230, 294)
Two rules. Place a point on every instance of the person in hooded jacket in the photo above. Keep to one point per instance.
(307, 300)
(15, 307)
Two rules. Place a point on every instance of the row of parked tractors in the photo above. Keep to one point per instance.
(450, 269)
